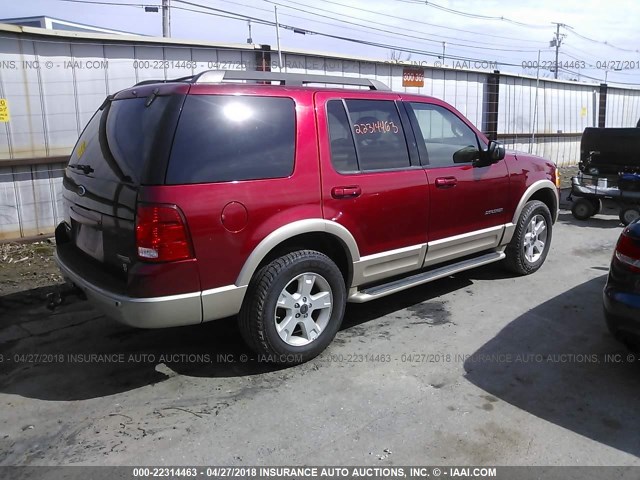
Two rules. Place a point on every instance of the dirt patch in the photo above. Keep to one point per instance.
(25, 266)
(565, 175)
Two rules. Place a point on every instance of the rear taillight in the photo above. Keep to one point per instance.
(161, 234)
(628, 251)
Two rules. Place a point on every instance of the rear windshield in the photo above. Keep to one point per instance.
(223, 138)
(121, 139)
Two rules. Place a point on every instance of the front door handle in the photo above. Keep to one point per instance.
(351, 191)
(446, 182)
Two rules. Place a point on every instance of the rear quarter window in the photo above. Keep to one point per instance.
(123, 139)
(222, 138)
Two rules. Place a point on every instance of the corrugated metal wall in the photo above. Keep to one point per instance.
(555, 113)
(50, 101)
(30, 200)
(623, 107)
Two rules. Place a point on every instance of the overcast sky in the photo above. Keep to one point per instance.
(611, 28)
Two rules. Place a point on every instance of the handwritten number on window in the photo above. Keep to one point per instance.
(376, 127)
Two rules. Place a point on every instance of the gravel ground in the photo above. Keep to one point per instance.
(27, 266)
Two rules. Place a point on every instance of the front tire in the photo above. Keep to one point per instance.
(529, 246)
(294, 307)
(582, 209)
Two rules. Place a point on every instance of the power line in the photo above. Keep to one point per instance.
(601, 42)
(405, 19)
(220, 15)
(340, 37)
(487, 17)
(438, 40)
(474, 15)
(395, 36)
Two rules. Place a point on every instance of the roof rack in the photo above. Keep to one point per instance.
(150, 82)
(291, 79)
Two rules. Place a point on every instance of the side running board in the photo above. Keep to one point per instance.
(380, 291)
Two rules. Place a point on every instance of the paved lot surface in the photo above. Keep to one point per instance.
(479, 368)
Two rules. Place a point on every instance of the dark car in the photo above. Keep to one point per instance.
(622, 292)
(194, 200)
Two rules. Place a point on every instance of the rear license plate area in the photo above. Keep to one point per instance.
(89, 240)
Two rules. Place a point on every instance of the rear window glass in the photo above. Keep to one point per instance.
(223, 138)
(119, 140)
(132, 129)
(380, 140)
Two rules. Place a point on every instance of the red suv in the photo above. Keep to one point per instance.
(211, 196)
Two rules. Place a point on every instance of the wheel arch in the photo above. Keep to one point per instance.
(544, 191)
(325, 236)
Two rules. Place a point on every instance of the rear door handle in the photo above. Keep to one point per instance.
(446, 182)
(351, 191)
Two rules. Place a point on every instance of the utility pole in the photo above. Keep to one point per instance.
(535, 108)
(249, 40)
(166, 18)
(556, 42)
(278, 37)
(444, 47)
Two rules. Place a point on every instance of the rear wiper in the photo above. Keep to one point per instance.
(151, 97)
(86, 169)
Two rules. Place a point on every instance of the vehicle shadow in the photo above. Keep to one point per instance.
(559, 363)
(75, 353)
(595, 221)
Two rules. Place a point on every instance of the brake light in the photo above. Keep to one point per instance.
(628, 251)
(161, 234)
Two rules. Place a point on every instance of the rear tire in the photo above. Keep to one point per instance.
(293, 307)
(628, 213)
(529, 246)
(582, 209)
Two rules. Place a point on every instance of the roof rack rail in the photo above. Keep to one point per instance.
(150, 82)
(291, 79)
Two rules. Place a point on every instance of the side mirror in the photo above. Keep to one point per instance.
(466, 155)
(494, 153)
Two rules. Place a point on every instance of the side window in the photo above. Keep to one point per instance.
(379, 138)
(222, 138)
(343, 151)
(445, 135)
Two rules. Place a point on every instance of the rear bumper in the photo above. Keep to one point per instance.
(158, 312)
(622, 310)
